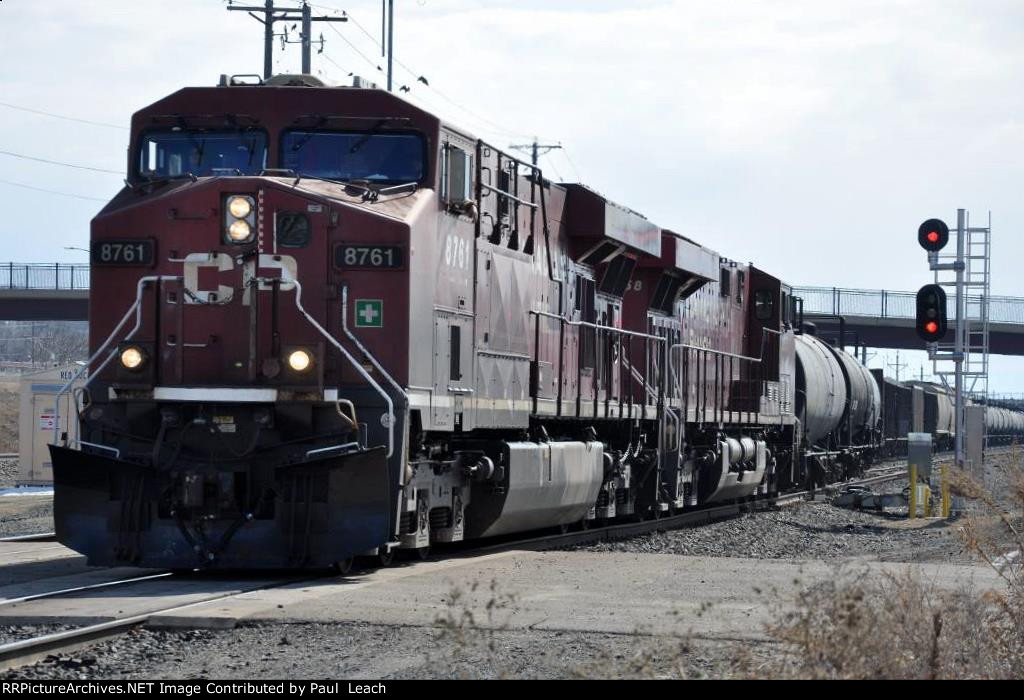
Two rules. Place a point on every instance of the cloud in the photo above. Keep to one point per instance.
(811, 137)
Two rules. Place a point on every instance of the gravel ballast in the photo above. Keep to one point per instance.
(345, 651)
(25, 515)
(816, 530)
(8, 472)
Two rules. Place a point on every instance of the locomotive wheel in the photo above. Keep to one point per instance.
(344, 567)
(421, 554)
(385, 557)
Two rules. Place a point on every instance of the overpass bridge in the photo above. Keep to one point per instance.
(875, 318)
(44, 292)
(887, 319)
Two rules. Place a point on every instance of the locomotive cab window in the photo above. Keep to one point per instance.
(178, 152)
(764, 305)
(457, 176)
(374, 157)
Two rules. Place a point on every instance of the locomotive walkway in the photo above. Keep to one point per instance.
(876, 318)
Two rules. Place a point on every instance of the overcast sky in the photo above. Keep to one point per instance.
(808, 136)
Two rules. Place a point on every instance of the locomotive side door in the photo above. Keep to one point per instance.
(452, 405)
(764, 324)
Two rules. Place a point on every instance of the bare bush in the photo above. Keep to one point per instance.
(467, 641)
(858, 626)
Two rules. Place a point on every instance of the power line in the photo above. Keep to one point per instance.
(355, 48)
(498, 129)
(40, 189)
(551, 164)
(571, 164)
(62, 116)
(334, 63)
(57, 162)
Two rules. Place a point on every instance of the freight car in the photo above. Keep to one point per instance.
(326, 323)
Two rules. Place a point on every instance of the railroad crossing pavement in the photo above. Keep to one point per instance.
(28, 562)
(616, 593)
(559, 591)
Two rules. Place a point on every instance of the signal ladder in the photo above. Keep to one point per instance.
(977, 291)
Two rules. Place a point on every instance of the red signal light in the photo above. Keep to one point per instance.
(931, 313)
(933, 235)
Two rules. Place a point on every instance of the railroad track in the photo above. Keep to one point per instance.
(24, 652)
(83, 589)
(28, 651)
(39, 537)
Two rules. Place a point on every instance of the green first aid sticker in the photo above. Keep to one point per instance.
(369, 313)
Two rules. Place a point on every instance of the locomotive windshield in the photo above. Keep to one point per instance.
(379, 158)
(182, 152)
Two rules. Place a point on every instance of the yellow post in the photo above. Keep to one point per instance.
(947, 502)
(927, 501)
(913, 492)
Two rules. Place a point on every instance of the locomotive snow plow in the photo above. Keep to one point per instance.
(316, 513)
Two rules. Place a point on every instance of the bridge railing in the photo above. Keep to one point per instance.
(880, 303)
(59, 276)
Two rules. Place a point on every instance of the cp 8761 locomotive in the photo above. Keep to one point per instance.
(325, 323)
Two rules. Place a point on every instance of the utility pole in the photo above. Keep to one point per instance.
(272, 15)
(899, 366)
(536, 150)
(391, 45)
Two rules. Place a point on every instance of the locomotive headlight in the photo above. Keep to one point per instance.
(239, 219)
(300, 360)
(239, 232)
(240, 207)
(132, 358)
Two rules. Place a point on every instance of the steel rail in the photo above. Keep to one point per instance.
(27, 651)
(38, 537)
(83, 589)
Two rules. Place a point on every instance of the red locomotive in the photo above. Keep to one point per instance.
(326, 323)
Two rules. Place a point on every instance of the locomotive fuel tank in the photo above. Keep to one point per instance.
(536, 485)
(820, 388)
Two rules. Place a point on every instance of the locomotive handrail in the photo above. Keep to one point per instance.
(511, 196)
(720, 357)
(713, 351)
(97, 446)
(136, 307)
(341, 348)
(586, 324)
